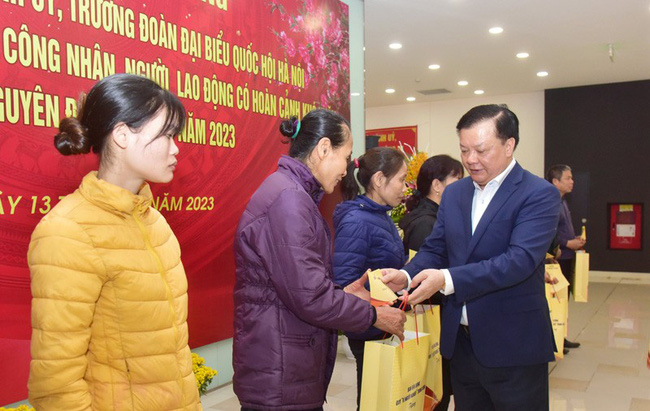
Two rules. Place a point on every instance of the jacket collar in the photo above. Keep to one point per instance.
(115, 199)
(507, 187)
(428, 204)
(498, 179)
(303, 175)
(368, 204)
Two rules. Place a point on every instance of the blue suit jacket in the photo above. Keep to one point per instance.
(499, 271)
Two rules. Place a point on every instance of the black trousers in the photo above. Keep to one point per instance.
(357, 346)
(495, 389)
(446, 386)
(569, 270)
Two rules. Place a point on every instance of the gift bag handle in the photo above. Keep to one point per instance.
(402, 307)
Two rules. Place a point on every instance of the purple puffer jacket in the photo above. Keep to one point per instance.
(287, 308)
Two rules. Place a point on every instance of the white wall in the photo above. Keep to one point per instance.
(437, 121)
(357, 117)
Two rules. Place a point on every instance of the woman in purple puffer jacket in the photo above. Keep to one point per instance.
(287, 308)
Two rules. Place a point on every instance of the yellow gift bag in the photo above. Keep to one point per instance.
(428, 321)
(394, 374)
(581, 282)
(557, 296)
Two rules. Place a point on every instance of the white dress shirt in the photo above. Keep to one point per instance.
(480, 202)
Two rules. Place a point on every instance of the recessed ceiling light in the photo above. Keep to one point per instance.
(479, 91)
(390, 90)
(434, 66)
(395, 46)
(410, 98)
(542, 74)
(496, 30)
(355, 94)
(523, 55)
(463, 83)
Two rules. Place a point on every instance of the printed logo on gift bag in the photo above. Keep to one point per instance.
(394, 373)
(426, 318)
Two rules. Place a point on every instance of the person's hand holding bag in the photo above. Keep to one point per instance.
(391, 320)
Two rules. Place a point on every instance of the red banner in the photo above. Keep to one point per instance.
(394, 136)
(238, 67)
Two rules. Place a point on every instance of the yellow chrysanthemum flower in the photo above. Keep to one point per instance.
(202, 373)
(414, 162)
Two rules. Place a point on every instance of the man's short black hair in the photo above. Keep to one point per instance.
(556, 171)
(507, 123)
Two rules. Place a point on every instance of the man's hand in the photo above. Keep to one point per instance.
(576, 244)
(391, 320)
(430, 281)
(357, 288)
(394, 279)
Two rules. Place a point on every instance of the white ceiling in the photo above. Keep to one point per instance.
(567, 38)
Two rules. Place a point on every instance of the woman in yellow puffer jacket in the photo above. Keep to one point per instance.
(109, 307)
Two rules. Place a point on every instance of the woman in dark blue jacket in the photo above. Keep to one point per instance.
(366, 237)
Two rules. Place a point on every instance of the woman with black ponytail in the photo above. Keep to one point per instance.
(435, 174)
(287, 308)
(366, 237)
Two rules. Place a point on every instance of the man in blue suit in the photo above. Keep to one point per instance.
(486, 254)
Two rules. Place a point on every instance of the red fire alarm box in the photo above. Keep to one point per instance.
(625, 226)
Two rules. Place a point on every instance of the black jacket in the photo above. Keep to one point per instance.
(418, 224)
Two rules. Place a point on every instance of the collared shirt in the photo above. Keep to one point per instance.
(481, 201)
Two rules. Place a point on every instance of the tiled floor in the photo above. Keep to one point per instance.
(608, 372)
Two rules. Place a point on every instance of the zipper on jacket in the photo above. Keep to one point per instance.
(168, 291)
(128, 377)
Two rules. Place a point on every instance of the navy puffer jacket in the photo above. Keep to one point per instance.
(365, 238)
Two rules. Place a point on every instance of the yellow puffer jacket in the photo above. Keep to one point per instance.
(109, 307)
